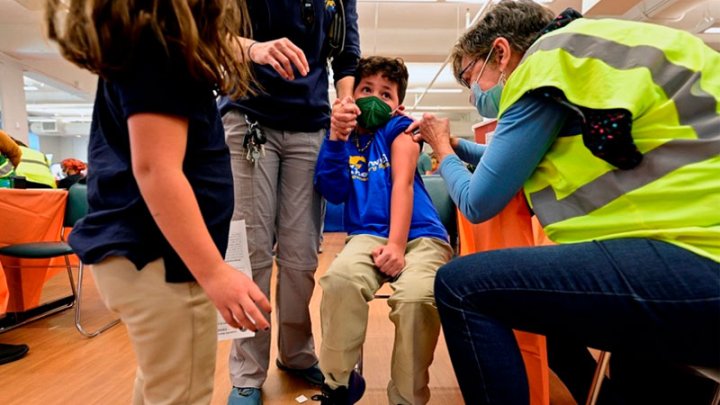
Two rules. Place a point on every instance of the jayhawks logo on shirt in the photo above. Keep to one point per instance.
(330, 5)
(360, 167)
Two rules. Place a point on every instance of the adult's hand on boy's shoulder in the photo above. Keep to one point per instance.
(390, 259)
(343, 119)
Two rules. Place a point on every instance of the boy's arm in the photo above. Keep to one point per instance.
(332, 177)
(157, 147)
(390, 258)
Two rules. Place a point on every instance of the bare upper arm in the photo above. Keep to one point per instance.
(404, 155)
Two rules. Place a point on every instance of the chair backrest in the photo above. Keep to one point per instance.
(77, 204)
(435, 186)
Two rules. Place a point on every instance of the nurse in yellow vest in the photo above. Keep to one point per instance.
(34, 166)
(10, 155)
(612, 128)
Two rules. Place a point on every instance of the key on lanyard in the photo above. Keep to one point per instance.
(254, 141)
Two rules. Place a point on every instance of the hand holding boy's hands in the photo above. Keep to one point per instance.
(390, 259)
(237, 298)
(343, 119)
(281, 54)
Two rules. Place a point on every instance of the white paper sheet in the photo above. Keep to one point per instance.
(238, 257)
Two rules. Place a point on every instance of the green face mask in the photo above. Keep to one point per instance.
(375, 113)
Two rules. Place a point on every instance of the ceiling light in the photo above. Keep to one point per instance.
(396, 1)
(712, 30)
(420, 90)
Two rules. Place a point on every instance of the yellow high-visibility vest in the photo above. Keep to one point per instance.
(35, 167)
(669, 81)
(6, 167)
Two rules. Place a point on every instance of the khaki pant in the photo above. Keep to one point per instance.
(351, 282)
(172, 327)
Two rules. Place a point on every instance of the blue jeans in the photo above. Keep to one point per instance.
(638, 298)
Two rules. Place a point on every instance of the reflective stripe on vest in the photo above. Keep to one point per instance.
(6, 167)
(696, 107)
(611, 185)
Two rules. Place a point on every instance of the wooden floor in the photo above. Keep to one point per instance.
(65, 368)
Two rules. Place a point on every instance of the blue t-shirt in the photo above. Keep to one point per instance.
(300, 104)
(119, 222)
(363, 181)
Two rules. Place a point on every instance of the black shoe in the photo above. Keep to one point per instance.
(343, 395)
(10, 353)
(311, 375)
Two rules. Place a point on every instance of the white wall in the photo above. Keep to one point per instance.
(12, 100)
(62, 147)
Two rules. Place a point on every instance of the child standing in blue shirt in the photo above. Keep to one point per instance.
(160, 188)
(394, 235)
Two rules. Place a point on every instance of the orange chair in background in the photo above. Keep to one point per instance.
(513, 227)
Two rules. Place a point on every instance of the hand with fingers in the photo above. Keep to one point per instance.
(238, 298)
(434, 131)
(343, 119)
(282, 55)
(389, 259)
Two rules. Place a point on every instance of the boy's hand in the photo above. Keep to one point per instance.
(281, 54)
(390, 259)
(237, 298)
(343, 119)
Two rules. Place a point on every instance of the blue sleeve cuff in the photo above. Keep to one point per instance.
(335, 147)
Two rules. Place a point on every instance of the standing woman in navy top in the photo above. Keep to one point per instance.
(160, 187)
(292, 47)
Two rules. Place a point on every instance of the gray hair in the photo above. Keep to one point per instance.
(519, 22)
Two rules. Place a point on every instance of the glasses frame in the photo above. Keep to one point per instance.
(465, 69)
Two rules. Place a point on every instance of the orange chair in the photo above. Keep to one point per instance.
(513, 227)
(77, 207)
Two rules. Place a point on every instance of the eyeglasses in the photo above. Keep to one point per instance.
(308, 12)
(463, 81)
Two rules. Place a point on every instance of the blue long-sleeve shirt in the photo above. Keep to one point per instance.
(521, 139)
(300, 104)
(362, 179)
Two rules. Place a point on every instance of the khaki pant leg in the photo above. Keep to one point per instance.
(172, 327)
(417, 323)
(349, 284)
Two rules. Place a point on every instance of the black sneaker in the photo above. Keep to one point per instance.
(343, 395)
(311, 375)
(10, 353)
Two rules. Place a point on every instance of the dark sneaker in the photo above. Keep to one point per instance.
(244, 396)
(312, 374)
(343, 395)
(10, 353)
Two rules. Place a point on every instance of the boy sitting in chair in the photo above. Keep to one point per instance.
(394, 235)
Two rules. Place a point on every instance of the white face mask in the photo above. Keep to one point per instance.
(486, 102)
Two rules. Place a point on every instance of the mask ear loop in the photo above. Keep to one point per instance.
(482, 70)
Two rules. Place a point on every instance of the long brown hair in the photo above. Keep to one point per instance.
(99, 35)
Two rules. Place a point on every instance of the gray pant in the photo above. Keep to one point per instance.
(277, 199)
